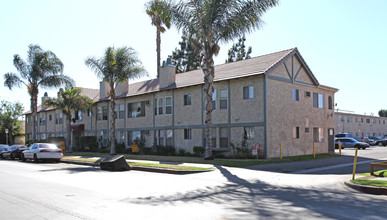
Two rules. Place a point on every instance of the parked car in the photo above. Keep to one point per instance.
(343, 135)
(350, 143)
(3, 147)
(380, 141)
(14, 151)
(42, 151)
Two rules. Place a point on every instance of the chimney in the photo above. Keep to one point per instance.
(122, 88)
(103, 89)
(45, 96)
(167, 74)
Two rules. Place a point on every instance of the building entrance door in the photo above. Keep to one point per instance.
(331, 140)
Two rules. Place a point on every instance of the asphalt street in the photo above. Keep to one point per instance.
(66, 191)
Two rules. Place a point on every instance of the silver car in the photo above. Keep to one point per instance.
(42, 151)
(351, 143)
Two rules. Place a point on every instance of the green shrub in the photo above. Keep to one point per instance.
(87, 144)
(198, 151)
(182, 152)
(120, 148)
(241, 150)
(164, 150)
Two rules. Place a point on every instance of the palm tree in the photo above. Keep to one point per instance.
(42, 69)
(209, 22)
(157, 11)
(70, 101)
(115, 67)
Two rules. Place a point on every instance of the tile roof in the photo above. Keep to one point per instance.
(91, 93)
(254, 66)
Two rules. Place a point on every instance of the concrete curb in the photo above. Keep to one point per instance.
(140, 168)
(367, 189)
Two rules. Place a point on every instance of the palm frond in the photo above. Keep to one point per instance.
(11, 80)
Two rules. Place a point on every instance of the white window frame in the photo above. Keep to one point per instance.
(223, 97)
(168, 106)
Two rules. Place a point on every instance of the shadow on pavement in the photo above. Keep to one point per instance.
(258, 200)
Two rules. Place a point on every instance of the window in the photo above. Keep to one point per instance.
(318, 134)
(214, 100)
(296, 96)
(121, 113)
(223, 134)
(341, 118)
(99, 113)
(248, 92)
(132, 136)
(361, 120)
(43, 120)
(104, 113)
(349, 119)
(120, 137)
(223, 98)
(89, 112)
(367, 120)
(187, 99)
(161, 106)
(50, 117)
(136, 109)
(296, 132)
(58, 118)
(169, 138)
(155, 105)
(330, 103)
(187, 134)
(248, 133)
(168, 105)
(78, 115)
(318, 100)
(160, 137)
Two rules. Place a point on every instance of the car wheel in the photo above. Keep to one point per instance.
(11, 156)
(35, 158)
(380, 144)
(363, 148)
(23, 158)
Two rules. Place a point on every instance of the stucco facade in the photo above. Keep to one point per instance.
(253, 98)
(360, 125)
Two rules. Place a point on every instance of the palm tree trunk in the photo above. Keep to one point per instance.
(209, 72)
(68, 133)
(34, 104)
(158, 43)
(113, 120)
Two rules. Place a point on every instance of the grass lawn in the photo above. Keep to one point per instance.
(216, 161)
(372, 182)
(154, 165)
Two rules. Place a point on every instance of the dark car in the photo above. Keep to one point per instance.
(350, 143)
(379, 141)
(3, 147)
(14, 151)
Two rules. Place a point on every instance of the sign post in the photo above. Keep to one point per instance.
(6, 136)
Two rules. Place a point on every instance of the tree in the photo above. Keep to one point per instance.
(156, 9)
(383, 113)
(42, 69)
(187, 58)
(10, 113)
(209, 22)
(237, 51)
(115, 67)
(70, 101)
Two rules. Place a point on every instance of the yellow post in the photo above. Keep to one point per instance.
(314, 151)
(281, 150)
(354, 165)
(340, 147)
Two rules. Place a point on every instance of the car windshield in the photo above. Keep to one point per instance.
(49, 146)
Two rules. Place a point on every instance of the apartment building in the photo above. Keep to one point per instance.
(360, 125)
(271, 100)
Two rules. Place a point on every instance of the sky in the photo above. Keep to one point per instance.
(343, 42)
